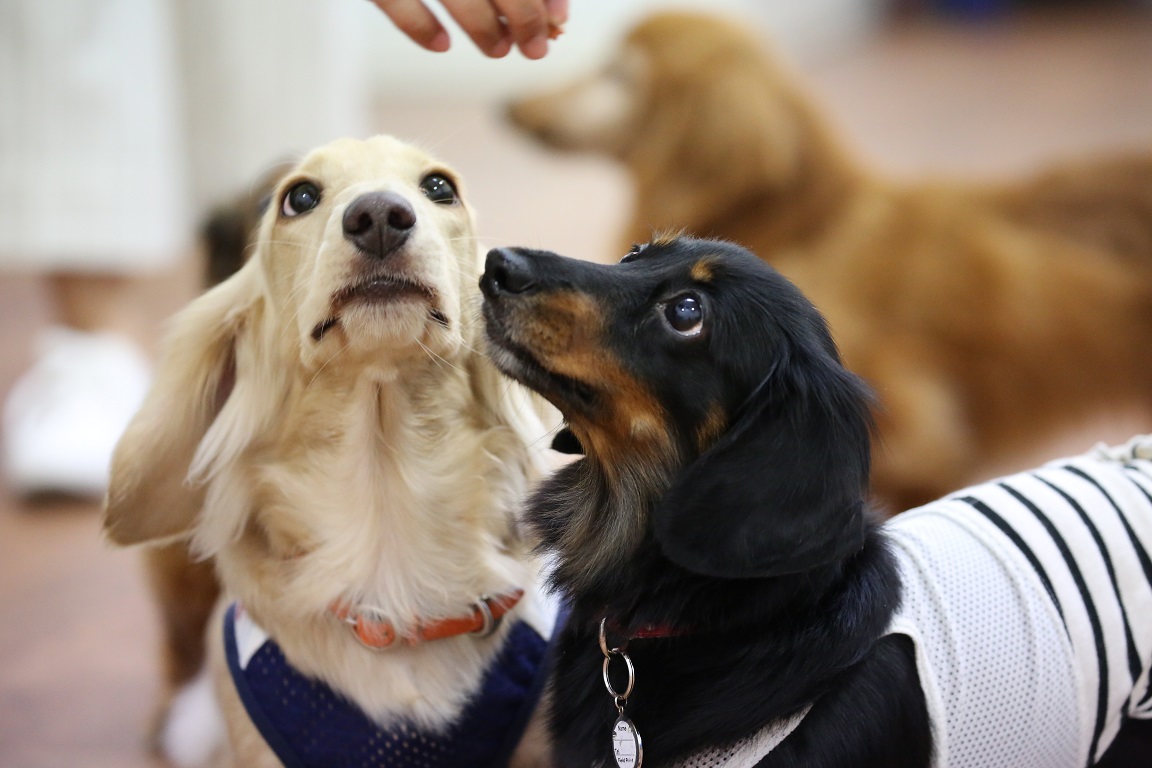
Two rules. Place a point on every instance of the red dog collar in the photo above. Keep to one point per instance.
(643, 632)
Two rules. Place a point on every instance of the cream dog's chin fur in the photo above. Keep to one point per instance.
(380, 461)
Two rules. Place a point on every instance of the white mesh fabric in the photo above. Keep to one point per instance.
(1029, 600)
(991, 652)
(747, 752)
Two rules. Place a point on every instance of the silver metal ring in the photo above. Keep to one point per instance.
(490, 621)
(604, 649)
(631, 675)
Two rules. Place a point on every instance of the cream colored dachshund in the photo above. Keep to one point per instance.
(325, 430)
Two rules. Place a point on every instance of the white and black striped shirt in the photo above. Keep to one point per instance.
(1029, 600)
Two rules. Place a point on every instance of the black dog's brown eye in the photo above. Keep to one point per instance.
(685, 314)
(437, 188)
(301, 198)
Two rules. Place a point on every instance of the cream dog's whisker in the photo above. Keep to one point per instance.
(438, 359)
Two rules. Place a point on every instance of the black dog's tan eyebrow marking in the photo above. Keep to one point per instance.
(702, 270)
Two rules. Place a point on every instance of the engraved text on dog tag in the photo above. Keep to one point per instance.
(626, 744)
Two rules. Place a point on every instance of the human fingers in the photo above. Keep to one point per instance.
(529, 25)
(557, 16)
(414, 19)
(481, 21)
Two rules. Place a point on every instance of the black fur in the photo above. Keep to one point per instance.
(755, 552)
(756, 549)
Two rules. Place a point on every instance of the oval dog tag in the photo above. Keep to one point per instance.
(626, 744)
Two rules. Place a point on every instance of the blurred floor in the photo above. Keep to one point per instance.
(77, 661)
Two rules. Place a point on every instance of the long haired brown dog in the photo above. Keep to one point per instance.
(322, 427)
(983, 318)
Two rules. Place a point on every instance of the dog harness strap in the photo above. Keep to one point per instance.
(628, 747)
(308, 724)
(374, 631)
(747, 752)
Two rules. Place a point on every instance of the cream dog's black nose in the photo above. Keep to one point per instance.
(378, 222)
(507, 270)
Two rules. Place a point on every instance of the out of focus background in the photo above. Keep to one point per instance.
(217, 91)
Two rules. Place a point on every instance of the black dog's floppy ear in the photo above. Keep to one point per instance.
(784, 489)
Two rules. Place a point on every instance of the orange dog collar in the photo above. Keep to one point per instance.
(377, 633)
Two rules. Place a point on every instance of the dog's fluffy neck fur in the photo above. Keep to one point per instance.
(741, 649)
(363, 460)
(589, 515)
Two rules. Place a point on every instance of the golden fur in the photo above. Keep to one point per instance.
(184, 589)
(989, 320)
(380, 462)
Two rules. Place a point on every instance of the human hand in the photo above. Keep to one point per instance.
(493, 25)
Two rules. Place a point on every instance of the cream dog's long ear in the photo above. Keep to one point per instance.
(150, 497)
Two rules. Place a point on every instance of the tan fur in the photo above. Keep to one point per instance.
(565, 334)
(567, 337)
(381, 464)
(1104, 202)
(185, 589)
(988, 319)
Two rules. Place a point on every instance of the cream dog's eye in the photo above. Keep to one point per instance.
(437, 188)
(685, 314)
(301, 198)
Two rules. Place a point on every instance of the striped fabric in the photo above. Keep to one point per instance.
(1029, 600)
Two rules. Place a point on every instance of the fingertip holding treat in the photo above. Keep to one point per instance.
(535, 48)
(557, 16)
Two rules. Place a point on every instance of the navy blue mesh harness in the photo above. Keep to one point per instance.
(306, 723)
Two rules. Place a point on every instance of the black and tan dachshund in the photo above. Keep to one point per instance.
(732, 598)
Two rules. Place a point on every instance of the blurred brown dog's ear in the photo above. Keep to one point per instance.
(716, 140)
(150, 497)
(784, 489)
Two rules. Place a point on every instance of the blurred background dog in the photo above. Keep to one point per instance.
(983, 316)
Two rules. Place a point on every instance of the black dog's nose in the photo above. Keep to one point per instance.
(506, 270)
(378, 222)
